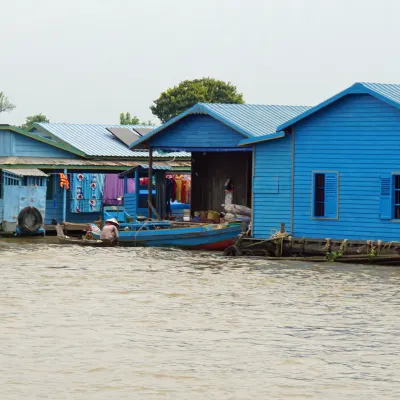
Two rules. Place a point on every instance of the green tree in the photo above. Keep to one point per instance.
(32, 119)
(5, 104)
(176, 100)
(126, 119)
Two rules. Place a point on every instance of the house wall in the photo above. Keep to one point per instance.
(197, 131)
(359, 137)
(272, 186)
(130, 203)
(18, 145)
(54, 207)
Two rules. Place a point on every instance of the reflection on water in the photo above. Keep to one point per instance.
(85, 323)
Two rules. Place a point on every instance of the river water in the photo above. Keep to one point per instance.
(119, 323)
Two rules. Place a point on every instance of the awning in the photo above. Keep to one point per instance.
(25, 171)
(144, 167)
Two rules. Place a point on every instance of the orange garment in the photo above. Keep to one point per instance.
(178, 190)
(64, 181)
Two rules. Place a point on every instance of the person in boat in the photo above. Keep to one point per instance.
(110, 231)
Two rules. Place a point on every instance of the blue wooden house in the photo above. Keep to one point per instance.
(72, 149)
(334, 170)
(212, 133)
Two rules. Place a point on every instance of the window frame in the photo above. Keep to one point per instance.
(313, 190)
(394, 192)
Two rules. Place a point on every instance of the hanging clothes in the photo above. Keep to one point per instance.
(64, 183)
(86, 192)
(114, 188)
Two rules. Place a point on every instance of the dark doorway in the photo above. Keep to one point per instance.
(209, 174)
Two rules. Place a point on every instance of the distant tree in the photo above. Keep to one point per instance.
(32, 119)
(175, 100)
(126, 119)
(5, 104)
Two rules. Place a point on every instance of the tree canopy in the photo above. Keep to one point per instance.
(5, 104)
(32, 119)
(176, 100)
(126, 119)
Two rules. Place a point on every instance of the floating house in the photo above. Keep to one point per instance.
(334, 170)
(212, 133)
(329, 171)
(88, 154)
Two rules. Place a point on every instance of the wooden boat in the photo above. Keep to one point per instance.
(196, 237)
(64, 239)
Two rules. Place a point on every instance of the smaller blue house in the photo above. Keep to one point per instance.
(212, 133)
(334, 170)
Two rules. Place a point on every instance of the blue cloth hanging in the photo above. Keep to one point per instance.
(86, 192)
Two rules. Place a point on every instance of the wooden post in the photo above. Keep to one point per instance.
(64, 209)
(150, 183)
(282, 229)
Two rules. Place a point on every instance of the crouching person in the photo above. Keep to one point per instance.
(110, 231)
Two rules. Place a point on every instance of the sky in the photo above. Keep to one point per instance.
(86, 61)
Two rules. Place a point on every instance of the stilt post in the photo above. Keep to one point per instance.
(150, 183)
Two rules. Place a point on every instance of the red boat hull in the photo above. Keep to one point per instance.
(216, 246)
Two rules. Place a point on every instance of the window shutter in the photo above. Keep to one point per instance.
(331, 195)
(386, 197)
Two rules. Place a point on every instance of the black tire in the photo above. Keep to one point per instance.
(233, 251)
(30, 219)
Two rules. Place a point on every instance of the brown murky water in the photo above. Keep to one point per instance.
(82, 323)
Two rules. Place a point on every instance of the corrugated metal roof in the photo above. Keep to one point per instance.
(254, 119)
(26, 171)
(96, 141)
(389, 93)
(251, 120)
(76, 163)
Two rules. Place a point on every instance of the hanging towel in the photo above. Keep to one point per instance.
(114, 188)
(86, 192)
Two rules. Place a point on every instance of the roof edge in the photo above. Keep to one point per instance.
(63, 145)
(31, 135)
(356, 88)
(271, 136)
(197, 108)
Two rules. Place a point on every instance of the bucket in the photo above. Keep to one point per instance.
(186, 215)
(213, 215)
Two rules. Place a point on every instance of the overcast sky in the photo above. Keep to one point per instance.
(85, 61)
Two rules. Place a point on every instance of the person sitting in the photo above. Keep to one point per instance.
(110, 231)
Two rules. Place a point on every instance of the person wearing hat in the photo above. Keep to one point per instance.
(110, 231)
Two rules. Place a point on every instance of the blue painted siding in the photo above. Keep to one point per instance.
(130, 203)
(7, 146)
(15, 144)
(1, 210)
(197, 131)
(272, 186)
(359, 137)
(25, 146)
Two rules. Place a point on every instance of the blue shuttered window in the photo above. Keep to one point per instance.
(325, 195)
(386, 197)
(396, 196)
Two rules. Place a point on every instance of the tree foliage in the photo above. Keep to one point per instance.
(126, 119)
(176, 100)
(5, 104)
(32, 119)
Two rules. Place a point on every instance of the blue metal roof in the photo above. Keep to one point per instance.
(389, 93)
(251, 120)
(95, 140)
